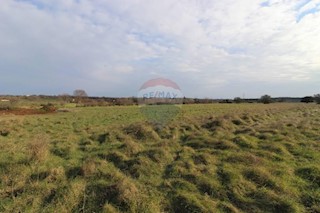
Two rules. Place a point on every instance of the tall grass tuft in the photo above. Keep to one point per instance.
(38, 148)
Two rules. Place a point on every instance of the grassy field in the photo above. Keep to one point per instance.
(210, 158)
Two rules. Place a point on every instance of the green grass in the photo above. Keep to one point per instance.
(209, 158)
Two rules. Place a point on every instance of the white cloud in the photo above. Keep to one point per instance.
(118, 43)
(309, 6)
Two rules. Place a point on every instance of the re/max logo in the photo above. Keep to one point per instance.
(160, 94)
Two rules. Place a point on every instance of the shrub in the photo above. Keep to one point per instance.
(266, 99)
(237, 100)
(48, 107)
(317, 98)
(6, 104)
(307, 99)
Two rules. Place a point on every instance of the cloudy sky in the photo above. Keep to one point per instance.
(210, 48)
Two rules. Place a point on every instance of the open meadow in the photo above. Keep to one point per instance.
(210, 158)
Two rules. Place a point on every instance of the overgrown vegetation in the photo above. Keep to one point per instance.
(210, 158)
(266, 99)
(317, 98)
(307, 99)
(8, 104)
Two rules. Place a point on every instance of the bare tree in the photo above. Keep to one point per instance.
(80, 93)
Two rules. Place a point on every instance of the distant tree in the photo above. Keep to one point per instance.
(80, 93)
(225, 101)
(307, 99)
(188, 100)
(266, 99)
(237, 100)
(197, 100)
(317, 98)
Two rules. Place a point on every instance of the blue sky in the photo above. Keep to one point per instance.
(216, 49)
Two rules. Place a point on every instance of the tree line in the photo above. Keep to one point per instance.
(81, 98)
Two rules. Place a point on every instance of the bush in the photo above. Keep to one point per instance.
(317, 98)
(307, 99)
(237, 100)
(266, 99)
(6, 104)
(48, 107)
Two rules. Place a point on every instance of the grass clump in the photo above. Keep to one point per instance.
(227, 208)
(141, 132)
(260, 177)
(247, 159)
(210, 187)
(89, 168)
(4, 132)
(311, 200)
(38, 148)
(211, 158)
(245, 142)
(310, 174)
(56, 174)
(186, 202)
(268, 201)
(131, 148)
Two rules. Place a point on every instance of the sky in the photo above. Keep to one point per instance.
(210, 48)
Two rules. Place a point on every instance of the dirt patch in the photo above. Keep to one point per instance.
(22, 111)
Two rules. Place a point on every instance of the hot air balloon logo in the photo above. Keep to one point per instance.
(160, 100)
